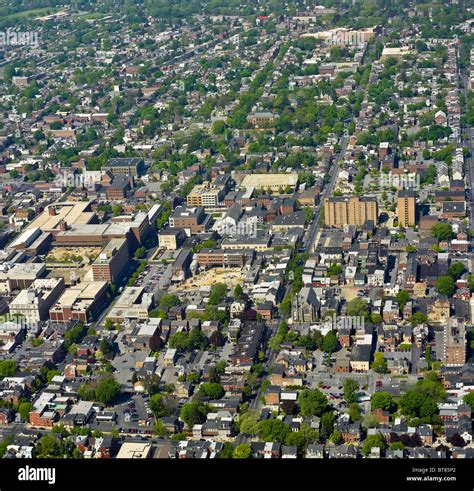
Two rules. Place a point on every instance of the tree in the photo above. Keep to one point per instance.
(24, 409)
(379, 364)
(227, 451)
(357, 308)
(107, 391)
(217, 294)
(457, 440)
(212, 390)
(7, 368)
(456, 270)
(373, 441)
(469, 399)
(327, 423)
(446, 285)
(329, 342)
(351, 390)
(273, 430)
(397, 446)
(49, 446)
(289, 407)
(354, 412)
(312, 402)
(335, 437)
(383, 400)
(140, 253)
(218, 127)
(248, 423)
(403, 297)
(238, 292)
(107, 348)
(242, 451)
(296, 439)
(159, 429)
(157, 406)
(169, 300)
(418, 318)
(4, 444)
(193, 413)
(443, 231)
(217, 339)
(421, 400)
(151, 382)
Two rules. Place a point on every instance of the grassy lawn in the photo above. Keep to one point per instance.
(30, 13)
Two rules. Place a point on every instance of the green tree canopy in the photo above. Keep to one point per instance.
(312, 402)
(446, 285)
(373, 441)
(193, 413)
(443, 231)
(383, 400)
(242, 451)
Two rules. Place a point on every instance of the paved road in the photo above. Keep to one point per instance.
(312, 232)
(469, 161)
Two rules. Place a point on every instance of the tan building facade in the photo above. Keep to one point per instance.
(406, 208)
(339, 212)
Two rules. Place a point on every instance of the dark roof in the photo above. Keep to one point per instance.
(361, 352)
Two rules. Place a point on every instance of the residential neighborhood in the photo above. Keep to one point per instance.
(237, 230)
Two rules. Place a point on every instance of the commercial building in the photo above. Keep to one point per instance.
(134, 228)
(125, 166)
(19, 275)
(34, 302)
(221, 258)
(207, 195)
(133, 303)
(342, 211)
(274, 182)
(171, 238)
(132, 450)
(111, 261)
(81, 302)
(395, 52)
(192, 219)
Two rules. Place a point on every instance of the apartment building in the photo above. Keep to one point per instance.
(455, 342)
(406, 208)
(342, 211)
